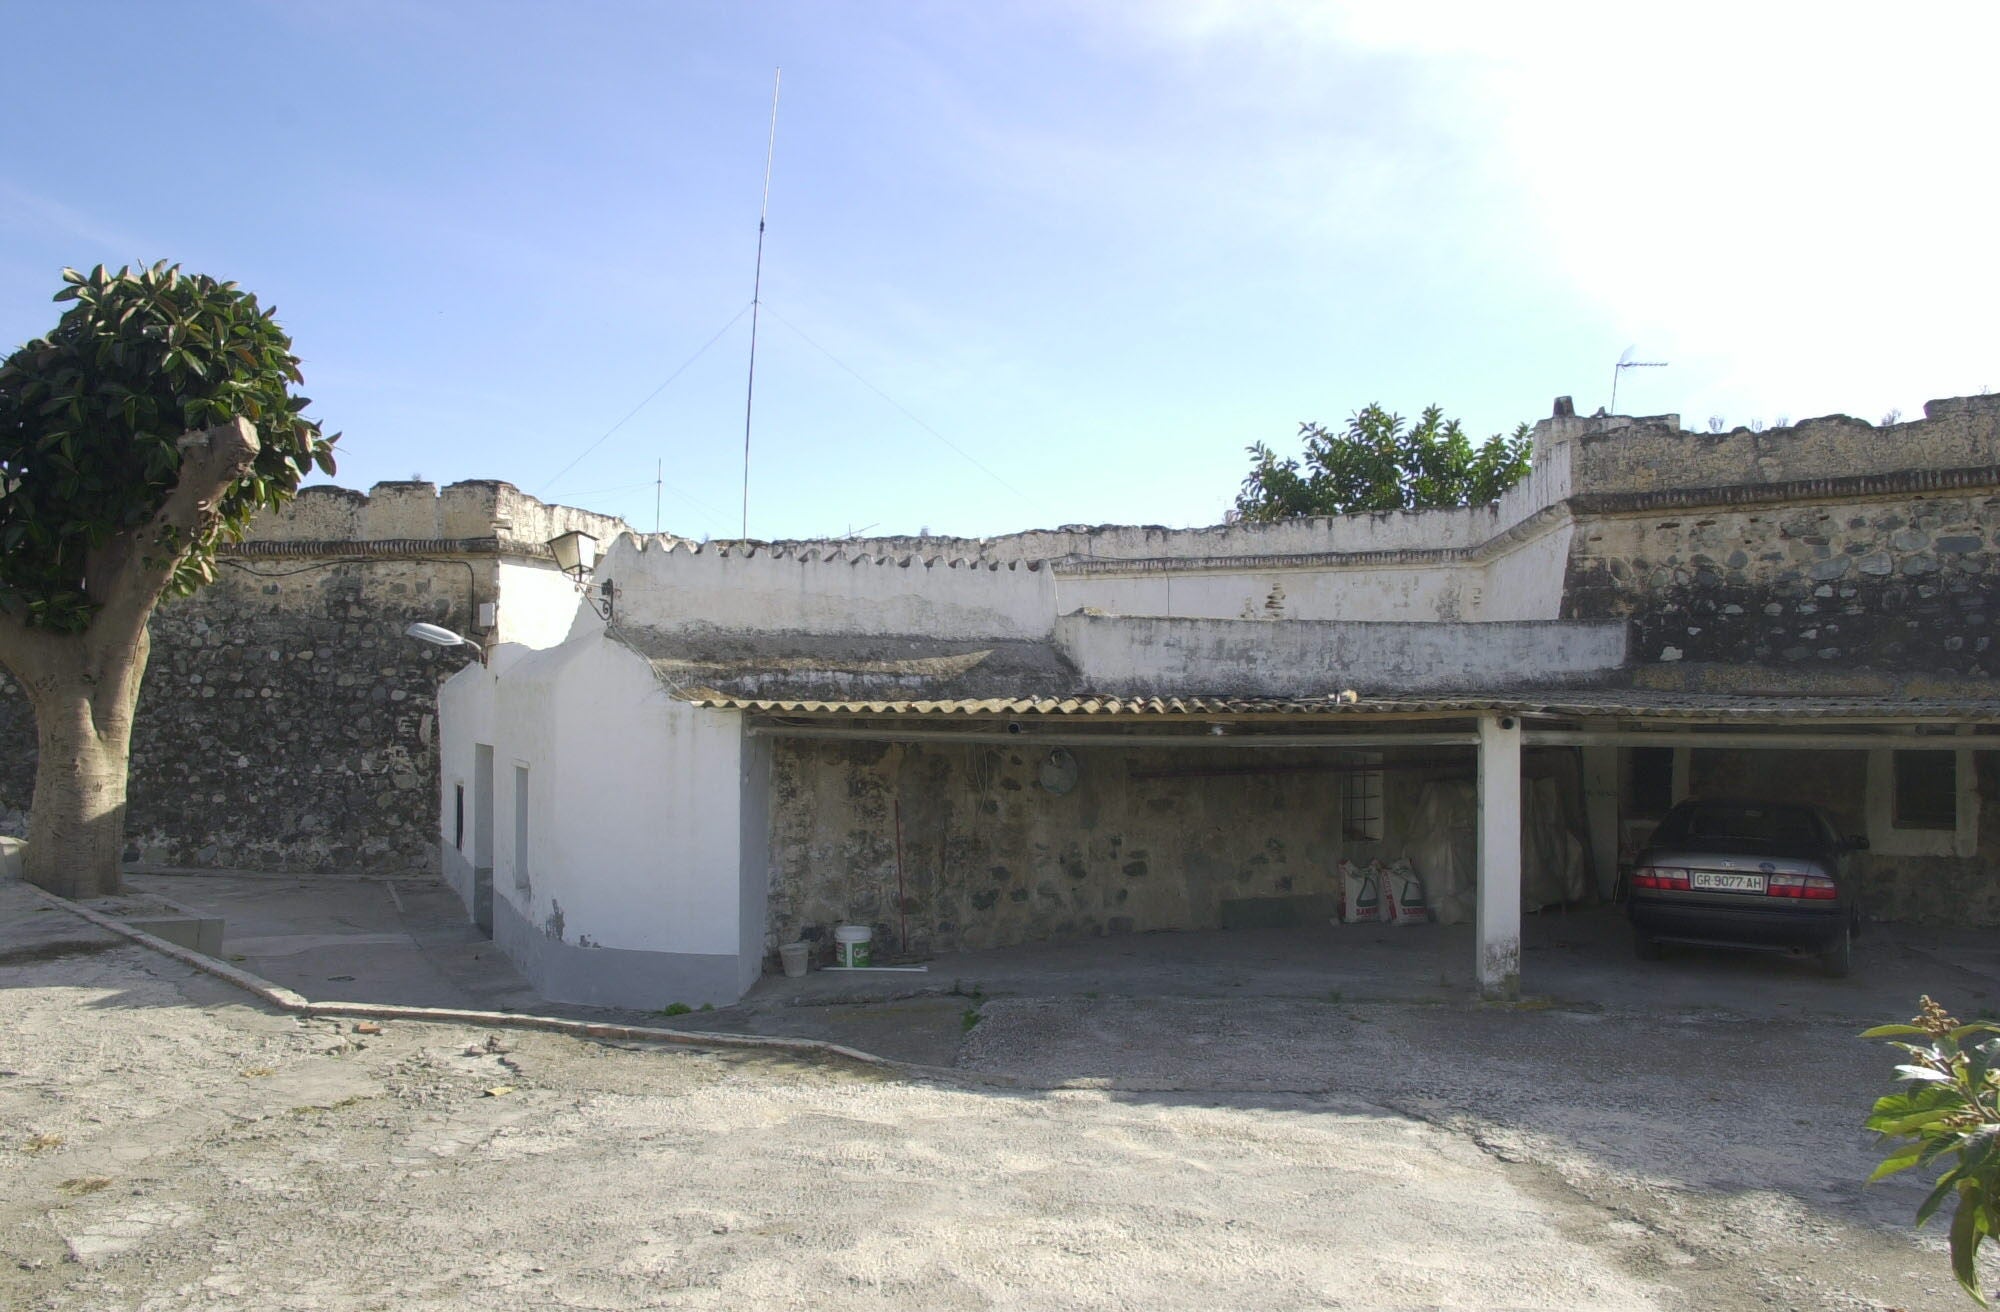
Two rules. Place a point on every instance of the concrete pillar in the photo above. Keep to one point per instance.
(1600, 808)
(1497, 941)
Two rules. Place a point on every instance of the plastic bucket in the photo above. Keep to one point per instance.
(794, 957)
(851, 945)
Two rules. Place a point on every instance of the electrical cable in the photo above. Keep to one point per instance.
(685, 365)
(907, 413)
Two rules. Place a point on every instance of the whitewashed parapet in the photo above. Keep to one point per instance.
(672, 586)
(1147, 657)
(1462, 529)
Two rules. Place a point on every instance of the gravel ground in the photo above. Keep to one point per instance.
(166, 1145)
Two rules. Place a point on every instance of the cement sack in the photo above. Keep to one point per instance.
(1360, 894)
(1442, 840)
(1403, 900)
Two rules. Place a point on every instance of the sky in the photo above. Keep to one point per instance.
(1027, 264)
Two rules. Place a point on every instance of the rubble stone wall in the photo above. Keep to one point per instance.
(285, 721)
(1907, 583)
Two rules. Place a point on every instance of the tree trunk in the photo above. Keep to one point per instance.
(83, 732)
(85, 686)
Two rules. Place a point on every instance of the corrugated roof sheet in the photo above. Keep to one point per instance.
(1553, 702)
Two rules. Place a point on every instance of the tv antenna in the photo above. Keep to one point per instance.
(756, 297)
(1625, 362)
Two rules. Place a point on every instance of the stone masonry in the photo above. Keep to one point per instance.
(286, 722)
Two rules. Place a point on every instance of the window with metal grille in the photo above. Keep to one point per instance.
(1926, 794)
(1361, 799)
(458, 817)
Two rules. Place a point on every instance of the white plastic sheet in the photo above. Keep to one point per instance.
(1442, 842)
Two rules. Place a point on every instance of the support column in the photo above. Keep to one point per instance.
(1600, 808)
(1497, 941)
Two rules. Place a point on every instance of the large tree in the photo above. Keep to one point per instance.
(1381, 462)
(135, 439)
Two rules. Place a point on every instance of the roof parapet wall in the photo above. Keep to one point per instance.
(671, 586)
(475, 510)
(1614, 456)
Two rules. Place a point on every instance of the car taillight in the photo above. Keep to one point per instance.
(1813, 887)
(1659, 877)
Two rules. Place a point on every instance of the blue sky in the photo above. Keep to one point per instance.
(1029, 263)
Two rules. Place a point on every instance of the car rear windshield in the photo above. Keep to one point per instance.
(1740, 822)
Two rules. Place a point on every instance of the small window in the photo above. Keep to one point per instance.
(458, 816)
(521, 827)
(1926, 794)
(1652, 781)
(1361, 800)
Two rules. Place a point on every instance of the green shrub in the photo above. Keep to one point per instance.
(1950, 1107)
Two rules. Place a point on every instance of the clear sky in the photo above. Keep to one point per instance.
(1028, 263)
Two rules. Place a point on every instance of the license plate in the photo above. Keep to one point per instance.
(1725, 882)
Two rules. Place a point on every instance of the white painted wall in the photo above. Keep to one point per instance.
(1319, 593)
(538, 604)
(634, 827)
(1151, 656)
(1525, 582)
(646, 823)
(672, 587)
(1395, 530)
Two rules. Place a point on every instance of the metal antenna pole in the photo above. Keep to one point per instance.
(1621, 367)
(756, 296)
(659, 482)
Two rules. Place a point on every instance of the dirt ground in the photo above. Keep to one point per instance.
(167, 1144)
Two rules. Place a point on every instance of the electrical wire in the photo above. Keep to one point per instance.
(967, 456)
(685, 365)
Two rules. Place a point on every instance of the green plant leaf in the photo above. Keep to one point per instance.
(1903, 1160)
(1923, 1074)
(1967, 1229)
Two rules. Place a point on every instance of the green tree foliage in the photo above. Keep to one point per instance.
(1948, 1109)
(1381, 462)
(90, 422)
(135, 439)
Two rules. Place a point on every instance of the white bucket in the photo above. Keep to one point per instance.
(794, 957)
(851, 945)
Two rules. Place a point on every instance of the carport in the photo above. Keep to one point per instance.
(1725, 734)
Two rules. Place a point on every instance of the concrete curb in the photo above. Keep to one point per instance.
(286, 1000)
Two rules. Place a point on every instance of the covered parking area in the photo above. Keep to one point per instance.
(970, 825)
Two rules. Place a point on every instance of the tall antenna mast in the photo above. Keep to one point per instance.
(756, 296)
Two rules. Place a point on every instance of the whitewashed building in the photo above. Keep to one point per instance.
(974, 743)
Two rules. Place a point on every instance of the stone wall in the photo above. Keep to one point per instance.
(1622, 456)
(286, 722)
(991, 858)
(1893, 584)
(1150, 838)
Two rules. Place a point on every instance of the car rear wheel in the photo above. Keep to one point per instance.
(1837, 957)
(1646, 947)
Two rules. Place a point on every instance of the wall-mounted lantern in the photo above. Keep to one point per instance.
(575, 553)
(576, 556)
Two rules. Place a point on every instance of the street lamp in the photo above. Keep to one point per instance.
(576, 556)
(575, 553)
(437, 635)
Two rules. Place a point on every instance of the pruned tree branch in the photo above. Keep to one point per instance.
(135, 579)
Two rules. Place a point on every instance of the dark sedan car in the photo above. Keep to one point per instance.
(1747, 874)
